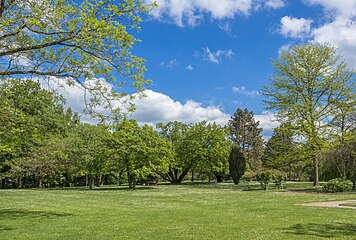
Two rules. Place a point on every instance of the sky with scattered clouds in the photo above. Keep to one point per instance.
(206, 58)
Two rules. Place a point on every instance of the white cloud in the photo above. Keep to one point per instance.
(339, 8)
(226, 27)
(216, 57)
(275, 4)
(338, 28)
(242, 90)
(295, 27)
(192, 12)
(341, 29)
(158, 107)
(267, 122)
(171, 64)
(189, 68)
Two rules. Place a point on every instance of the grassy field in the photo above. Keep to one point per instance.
(200, 211)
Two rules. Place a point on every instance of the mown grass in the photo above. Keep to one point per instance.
(198, 211)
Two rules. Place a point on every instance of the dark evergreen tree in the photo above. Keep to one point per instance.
(246, 134)
(283, 153)
(237, 164)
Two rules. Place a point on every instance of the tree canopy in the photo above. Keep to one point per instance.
(73, 41)
(310, 85)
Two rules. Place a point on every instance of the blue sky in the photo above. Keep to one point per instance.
(208, 57)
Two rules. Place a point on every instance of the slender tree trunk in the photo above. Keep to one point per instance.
(40, 182)
(192, 178)
(90, 181)
(129, 179)
(316, 171)
(97, 180)
(120, 176)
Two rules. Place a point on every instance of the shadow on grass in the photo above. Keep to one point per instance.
(323, 230)
(139, 188)
(103, 188)
(306, 190)
(5, 228)
(20, 213)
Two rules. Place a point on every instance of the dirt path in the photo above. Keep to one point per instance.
(335, 204)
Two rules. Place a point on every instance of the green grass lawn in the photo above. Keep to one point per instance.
(199, 211)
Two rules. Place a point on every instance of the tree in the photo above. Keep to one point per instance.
(179, 164)
(140, 151)
(73, 41)
(309, 85)
(88, 148)
(29, 116)
(211, 149)
(246, 134)
(339, 160)
(283, 153)
(237, 164)
(199, 147)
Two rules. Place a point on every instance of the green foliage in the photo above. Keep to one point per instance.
(264, 177)
(139, 151)
(267, 176)
(278, 177)
(338, 185)
(246, 134)
(309, 87)
(284, 153)
(30, 119)
(201, 147)
(88, 150)
(237, 164)
(74, 41)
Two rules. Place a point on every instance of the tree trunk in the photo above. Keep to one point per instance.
(40, 182)
(97, 180)
(316, 171)
(130, 180)
(181, 177)
(192, 178)
(90, 181)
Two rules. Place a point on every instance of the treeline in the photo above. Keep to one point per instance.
(43, 144)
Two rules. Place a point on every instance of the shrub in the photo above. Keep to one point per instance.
(247, 177)
(338, 185)
(264, 177)
(277, 177)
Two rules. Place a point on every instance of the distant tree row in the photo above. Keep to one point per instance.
(44, 145)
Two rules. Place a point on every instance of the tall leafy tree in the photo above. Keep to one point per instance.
(88, 148)
(179, 164)
(211, 149)
(140, 151)
(246, 134)
(309, 85)
(74, 41)
(197, 147)
(29, 116)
